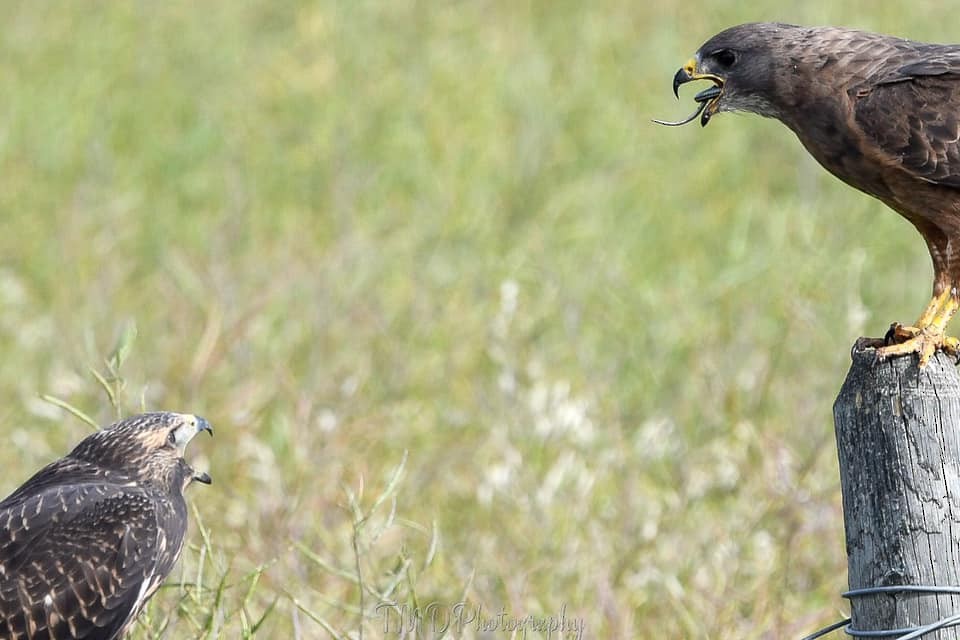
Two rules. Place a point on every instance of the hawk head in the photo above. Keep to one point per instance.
(147, 448)
(743, 63)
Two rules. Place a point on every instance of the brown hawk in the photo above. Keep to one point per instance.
(88, 539)
(880, 113)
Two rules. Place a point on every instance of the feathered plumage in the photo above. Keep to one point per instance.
(87, 540)
(880, 113)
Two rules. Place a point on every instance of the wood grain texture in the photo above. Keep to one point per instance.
(899, 453)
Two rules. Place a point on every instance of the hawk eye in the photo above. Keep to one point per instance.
(725, 58)
(172, 438)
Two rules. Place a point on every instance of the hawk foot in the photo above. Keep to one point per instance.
(901, 340)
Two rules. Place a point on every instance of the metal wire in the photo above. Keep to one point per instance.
(826, 630)
(907, 633)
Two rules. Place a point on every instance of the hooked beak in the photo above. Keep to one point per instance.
(708, 99)
(191, 427)
(204, 425)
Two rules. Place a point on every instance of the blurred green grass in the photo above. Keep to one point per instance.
(349, 230)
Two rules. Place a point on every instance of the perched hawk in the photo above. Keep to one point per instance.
(87, 540)
(880, 113)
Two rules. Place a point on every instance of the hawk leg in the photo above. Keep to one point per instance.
(929, 334)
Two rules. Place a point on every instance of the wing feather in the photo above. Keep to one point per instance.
(74, 558)
(911, 112)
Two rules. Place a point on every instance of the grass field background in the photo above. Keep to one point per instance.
(468, 326)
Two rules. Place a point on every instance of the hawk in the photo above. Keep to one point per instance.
(880, 113)
(88, 539)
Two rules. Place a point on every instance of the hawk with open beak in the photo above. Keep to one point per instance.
(880, 113)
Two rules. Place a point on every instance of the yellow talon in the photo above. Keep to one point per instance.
(929, 334)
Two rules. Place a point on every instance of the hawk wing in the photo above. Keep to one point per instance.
(911, 112)
(78, 561)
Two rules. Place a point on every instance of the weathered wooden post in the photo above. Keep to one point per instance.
(898, 440)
